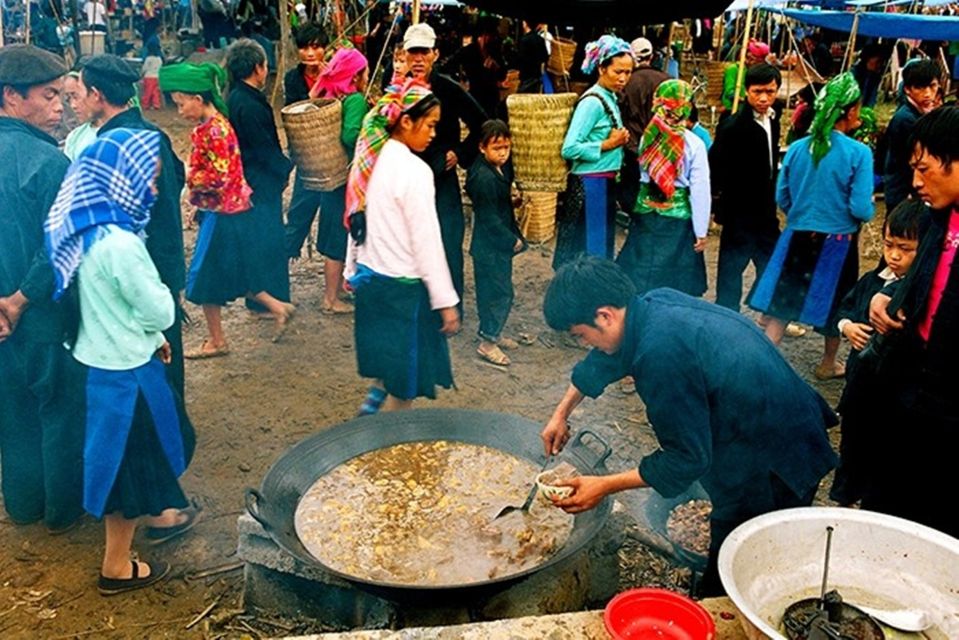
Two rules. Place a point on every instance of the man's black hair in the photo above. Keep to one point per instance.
(310, 33)
(694, 114)
(762, 73)
(905, 220)
(493, 129)
(243, 57)
(22, 89)
(116, 93)
(920, 74)
(581, 287)
(937, 134)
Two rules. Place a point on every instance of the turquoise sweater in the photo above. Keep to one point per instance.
(836, 196)
(123, 305)
(587, 130)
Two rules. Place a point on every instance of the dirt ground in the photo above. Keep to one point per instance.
(251, 406)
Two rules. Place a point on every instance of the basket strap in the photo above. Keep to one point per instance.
(606, 107)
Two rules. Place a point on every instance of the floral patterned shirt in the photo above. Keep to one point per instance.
(215, 178)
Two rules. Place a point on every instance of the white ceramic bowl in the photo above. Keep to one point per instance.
(877, 560)
(549, 491)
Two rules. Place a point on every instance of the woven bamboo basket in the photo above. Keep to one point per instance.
(538, 123)
(562, 52)
(538, 218)
(313, 132)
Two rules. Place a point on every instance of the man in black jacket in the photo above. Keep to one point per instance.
(447, 149)
(743, 163)
(110, 84)
(265, 167)
(41, 385)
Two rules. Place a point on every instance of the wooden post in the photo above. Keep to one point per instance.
(851, 47)
(416, 11)
(1, 27)
(741, 72)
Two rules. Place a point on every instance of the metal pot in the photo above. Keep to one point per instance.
(274, 505)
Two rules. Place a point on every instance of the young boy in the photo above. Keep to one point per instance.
(496, 238)
(900, 239)
(151, 98)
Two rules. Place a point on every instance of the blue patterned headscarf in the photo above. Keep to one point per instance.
(110, 182)
(601, 50)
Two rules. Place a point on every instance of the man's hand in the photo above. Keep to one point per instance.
(451, 160)
(555, 435)
(451, 321)
(588, 491)
(881, 320)
(165, 353)
(700, 245)
(858, 334)
(11, 308)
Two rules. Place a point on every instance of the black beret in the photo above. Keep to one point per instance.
(111, 67)
(25, 64)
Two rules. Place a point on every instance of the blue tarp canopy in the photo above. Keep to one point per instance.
(603, 12)
(882, 25)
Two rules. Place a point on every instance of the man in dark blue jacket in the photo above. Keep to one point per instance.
(727, 409)
(41, 385)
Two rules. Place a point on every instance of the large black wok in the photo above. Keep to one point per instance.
(274, 505)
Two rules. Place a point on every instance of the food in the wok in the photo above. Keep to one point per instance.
(688, 525)
(420, 514)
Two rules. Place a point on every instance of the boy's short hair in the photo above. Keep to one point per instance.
(762, 73)
(493, 129)
(310, 33)
(243, 57)
(116, 92)
(905, 220)
(581, 287)
(920, 74)
(937, 134)
(694, 114)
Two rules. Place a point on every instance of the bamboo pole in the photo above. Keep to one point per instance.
(741, 72)
(416, 11)
(1, 27)
(851, 47)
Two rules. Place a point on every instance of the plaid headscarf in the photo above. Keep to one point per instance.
(601, 50)
(663, 142)
(196, 78)
(838, 94)
(109, 183)
(374, 133)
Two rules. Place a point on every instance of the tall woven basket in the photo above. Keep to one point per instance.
(538, 218)
(538, 123)
(562, 52)
(313, 132)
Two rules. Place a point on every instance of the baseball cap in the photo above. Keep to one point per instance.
(419, 36)
(642, 48)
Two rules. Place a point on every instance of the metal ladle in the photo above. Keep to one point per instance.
(529, 497)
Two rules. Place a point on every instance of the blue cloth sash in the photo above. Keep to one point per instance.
(111, 400)
(596, 208)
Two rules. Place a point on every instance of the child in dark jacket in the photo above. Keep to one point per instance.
(496, 238)
(857, 406)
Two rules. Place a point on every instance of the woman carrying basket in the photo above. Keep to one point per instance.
(345, 79)
(825, 187)
(405, 300)
(594, 144)
(671, 217)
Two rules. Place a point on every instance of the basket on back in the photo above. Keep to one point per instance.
(537, 219)
(313, 133)
(562, 52)
(538, 123)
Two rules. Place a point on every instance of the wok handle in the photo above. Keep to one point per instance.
(253, 499)
(585, 453)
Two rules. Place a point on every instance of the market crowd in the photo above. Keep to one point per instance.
(92, 271)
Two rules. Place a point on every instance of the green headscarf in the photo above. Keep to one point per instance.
(196, 78)
(839, 93)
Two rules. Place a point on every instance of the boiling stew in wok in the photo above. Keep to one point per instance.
(421, 514)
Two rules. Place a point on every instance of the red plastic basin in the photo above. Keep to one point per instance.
(657, 614)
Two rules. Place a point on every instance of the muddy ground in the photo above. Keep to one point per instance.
(251, 406)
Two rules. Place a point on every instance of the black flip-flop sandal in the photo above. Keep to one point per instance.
(115, 586)
(159, 535)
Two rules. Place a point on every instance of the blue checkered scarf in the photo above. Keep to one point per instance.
(110, 182)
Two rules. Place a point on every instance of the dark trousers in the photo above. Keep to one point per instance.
(41, 433)
(303, 207)
(494, 293)
(174, 335)
(449, 208)
(628, 188)
(766, 494)
(737, 248)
